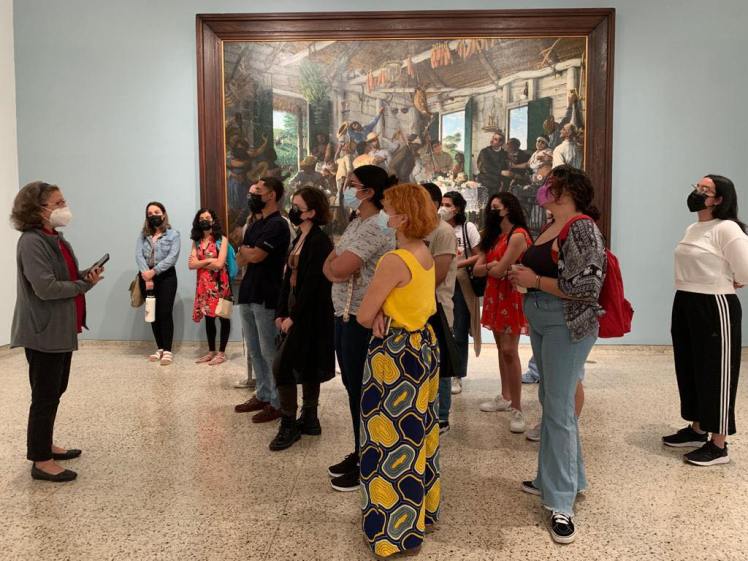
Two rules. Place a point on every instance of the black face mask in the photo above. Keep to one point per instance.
(205, 225)
(696, 202)
(493, 217)
(155, 220)
(294, 215)
(256, 204)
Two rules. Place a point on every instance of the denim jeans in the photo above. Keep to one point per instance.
(461, 329)
(445, 398)
(560, 362)
(258, 328)
(351, 347)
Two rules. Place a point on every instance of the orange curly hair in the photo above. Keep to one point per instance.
(414, 202)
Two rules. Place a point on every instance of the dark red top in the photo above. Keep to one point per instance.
(80, 300)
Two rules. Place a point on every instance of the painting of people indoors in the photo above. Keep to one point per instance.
(477, 115)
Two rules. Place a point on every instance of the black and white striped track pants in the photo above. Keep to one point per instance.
(706, 343)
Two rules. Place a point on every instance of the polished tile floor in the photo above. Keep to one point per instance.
(170, 472)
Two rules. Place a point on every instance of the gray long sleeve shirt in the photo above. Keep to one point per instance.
(45, 315)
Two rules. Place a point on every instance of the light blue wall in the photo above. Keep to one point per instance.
(106, 100)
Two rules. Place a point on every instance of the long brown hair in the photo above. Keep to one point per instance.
(29, 204)
(147, 230)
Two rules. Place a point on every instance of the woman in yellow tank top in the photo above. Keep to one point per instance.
(399, 418)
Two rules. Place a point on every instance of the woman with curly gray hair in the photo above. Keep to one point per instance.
(50, 312)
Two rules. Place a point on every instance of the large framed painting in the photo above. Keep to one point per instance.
(477, 102)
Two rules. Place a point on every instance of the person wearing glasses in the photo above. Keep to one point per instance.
(50, 311)
(711, 261)
(350, 267)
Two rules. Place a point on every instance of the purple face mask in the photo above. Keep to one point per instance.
(544, 195)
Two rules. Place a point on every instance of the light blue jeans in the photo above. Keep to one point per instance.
(259, 331)
(560, 361)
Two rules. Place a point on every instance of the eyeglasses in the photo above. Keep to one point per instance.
(703, 189)
(62, 203)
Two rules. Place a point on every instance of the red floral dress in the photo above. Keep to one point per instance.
(502, 304)
(211, 285)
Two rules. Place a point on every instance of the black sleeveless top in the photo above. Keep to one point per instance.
(539, 258)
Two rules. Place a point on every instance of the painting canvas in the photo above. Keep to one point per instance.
(475, 115)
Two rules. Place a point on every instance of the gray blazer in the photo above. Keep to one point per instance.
(45, 316)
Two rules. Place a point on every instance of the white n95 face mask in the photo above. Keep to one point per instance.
(60, 217)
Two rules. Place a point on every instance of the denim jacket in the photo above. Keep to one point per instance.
(167, 252)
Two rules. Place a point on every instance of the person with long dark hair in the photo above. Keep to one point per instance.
(209, 257)
(563, 279)
(711, 261)
(304, 316)
(49, 313)
(505, 239)
(350, 267)
(156, 254)
(466, 303)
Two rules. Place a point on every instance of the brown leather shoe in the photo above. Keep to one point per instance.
(252, 404)
(269, 413)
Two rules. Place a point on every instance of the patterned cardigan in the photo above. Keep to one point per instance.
(582, 264)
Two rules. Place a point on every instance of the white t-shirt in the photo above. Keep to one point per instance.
(473, 237)
(711, 257)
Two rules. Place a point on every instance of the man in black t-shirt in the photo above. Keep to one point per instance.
(263, 251)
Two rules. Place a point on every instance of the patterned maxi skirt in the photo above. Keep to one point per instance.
(400, 487)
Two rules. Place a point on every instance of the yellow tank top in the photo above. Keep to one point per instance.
(412, 305)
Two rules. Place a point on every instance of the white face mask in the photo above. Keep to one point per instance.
(446, 214)
(60, 217)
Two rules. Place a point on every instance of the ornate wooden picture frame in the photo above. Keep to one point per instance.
(464, 50)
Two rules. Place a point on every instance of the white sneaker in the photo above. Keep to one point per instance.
(456, 385)
(517, 424)
(498, 403)
(533, 435)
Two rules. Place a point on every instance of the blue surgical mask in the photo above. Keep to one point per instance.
(350, 200)
(383, 221)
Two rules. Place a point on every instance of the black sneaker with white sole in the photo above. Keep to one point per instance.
(346, 482)
(529, 487)
(443, 427)
(685, 438)
(562, 528)
(349, 464)
(708, 455)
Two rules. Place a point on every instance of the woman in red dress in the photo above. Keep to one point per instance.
(208, 257)
(504, 241)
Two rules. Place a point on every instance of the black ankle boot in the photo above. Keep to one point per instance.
(308, 423)
(288, 433)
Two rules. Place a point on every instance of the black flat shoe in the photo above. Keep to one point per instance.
(69, 455)
(61, 477)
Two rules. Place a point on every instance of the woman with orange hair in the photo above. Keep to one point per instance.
(399, 420)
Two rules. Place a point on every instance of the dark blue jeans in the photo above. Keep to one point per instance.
(351, 347)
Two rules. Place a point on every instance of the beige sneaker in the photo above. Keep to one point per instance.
(456, 385)
(498, 403)
(533, 435)
(517, 424)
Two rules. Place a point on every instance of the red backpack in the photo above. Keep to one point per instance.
(616, 321)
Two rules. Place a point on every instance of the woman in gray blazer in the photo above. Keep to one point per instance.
(50, 312)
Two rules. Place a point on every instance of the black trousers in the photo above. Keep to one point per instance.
(165, 291)
(706, 331)
(351, 348)
(210, 330)
(48, 376)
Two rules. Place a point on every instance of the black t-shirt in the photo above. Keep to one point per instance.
(262, 281)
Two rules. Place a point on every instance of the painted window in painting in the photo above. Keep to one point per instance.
(518, 125)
